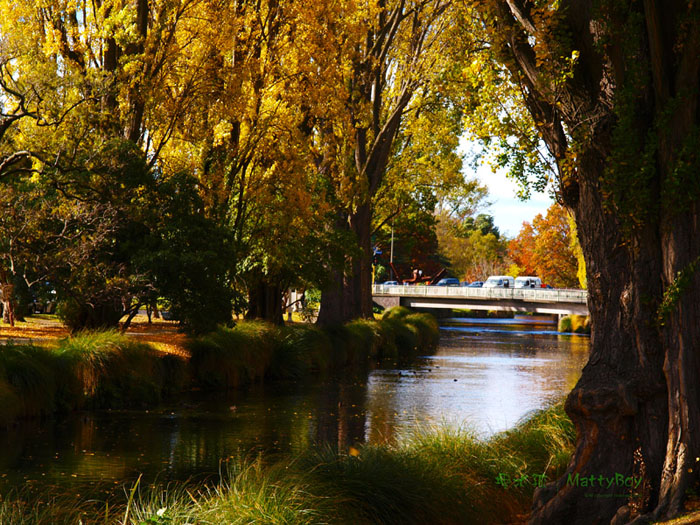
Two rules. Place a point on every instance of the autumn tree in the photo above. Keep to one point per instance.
(521, 250)
(612, 90)
(424, 176)
(472, 246)
(19, 225)
(77, 76)
(366, 65)
(246, 142)
(545, 248)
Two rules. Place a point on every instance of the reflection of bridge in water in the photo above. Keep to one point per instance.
(536, 300)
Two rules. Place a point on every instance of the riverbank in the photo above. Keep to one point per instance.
(108, 370)
(439, 475)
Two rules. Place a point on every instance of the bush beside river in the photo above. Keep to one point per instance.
(109, 370)
(579, 324)
(439, 476)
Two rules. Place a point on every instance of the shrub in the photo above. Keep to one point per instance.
(365, 337)
(301, 349)
(29, 375)
(113, 370)
(396, 312)
(575, 323)
(233, 357)
(401, 339)
(428, 330)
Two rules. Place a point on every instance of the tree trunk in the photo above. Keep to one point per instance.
(349, 295)
(8, 304)
(619, 404)
(265, 302)
(629, 121)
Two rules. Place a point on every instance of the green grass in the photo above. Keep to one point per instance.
(28, 375)
(90, 370)
(253, 351)
(231, 358)
(111, 370)
(440, 475)
(105, 369)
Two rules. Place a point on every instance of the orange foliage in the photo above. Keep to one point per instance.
(163, 335)
(544, 249)
(522, 249)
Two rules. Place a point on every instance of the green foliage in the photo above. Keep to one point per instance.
(397, 312)
(386, 485)
(365, 335)
(301, 350)
(113, 370)
(92, 369)
(579, 324)
(428, 330)
(682, 186)
(106, 369)
(675, 291)
(29, 375)
(231, 358)
(189, 257)
(473, 246)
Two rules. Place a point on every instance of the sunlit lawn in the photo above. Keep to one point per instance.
(45, 329)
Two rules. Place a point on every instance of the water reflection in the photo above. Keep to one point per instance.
(487, 381)
(482, 380)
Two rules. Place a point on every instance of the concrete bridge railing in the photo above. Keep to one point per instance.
(540, 295)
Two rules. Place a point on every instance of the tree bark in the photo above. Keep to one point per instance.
(349, 294)
(632, 101)
(265, 302)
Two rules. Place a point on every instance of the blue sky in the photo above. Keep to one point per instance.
(509, 212)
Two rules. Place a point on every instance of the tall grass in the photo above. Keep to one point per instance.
(105, 369)
(252, 351)
(111, 370)
(440, 476)
(92, 369)
(230, 358)
(29, 377)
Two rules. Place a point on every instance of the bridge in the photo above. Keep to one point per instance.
(536, 300)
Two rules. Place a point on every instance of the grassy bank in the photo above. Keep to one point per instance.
(579, 324)
(439, 476)
(109, 370)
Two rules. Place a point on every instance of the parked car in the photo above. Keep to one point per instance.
(527, 281)
(499, 281)
(476, 284)
(448, 281)
(391, 283)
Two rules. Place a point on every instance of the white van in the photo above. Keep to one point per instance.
(526, 281)
(499, 281)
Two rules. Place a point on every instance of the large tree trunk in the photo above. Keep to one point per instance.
(349, 294)
(619, 406)
(629, 120)
(7, 294)
(265, 301)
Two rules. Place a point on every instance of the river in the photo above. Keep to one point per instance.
(485, 377)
